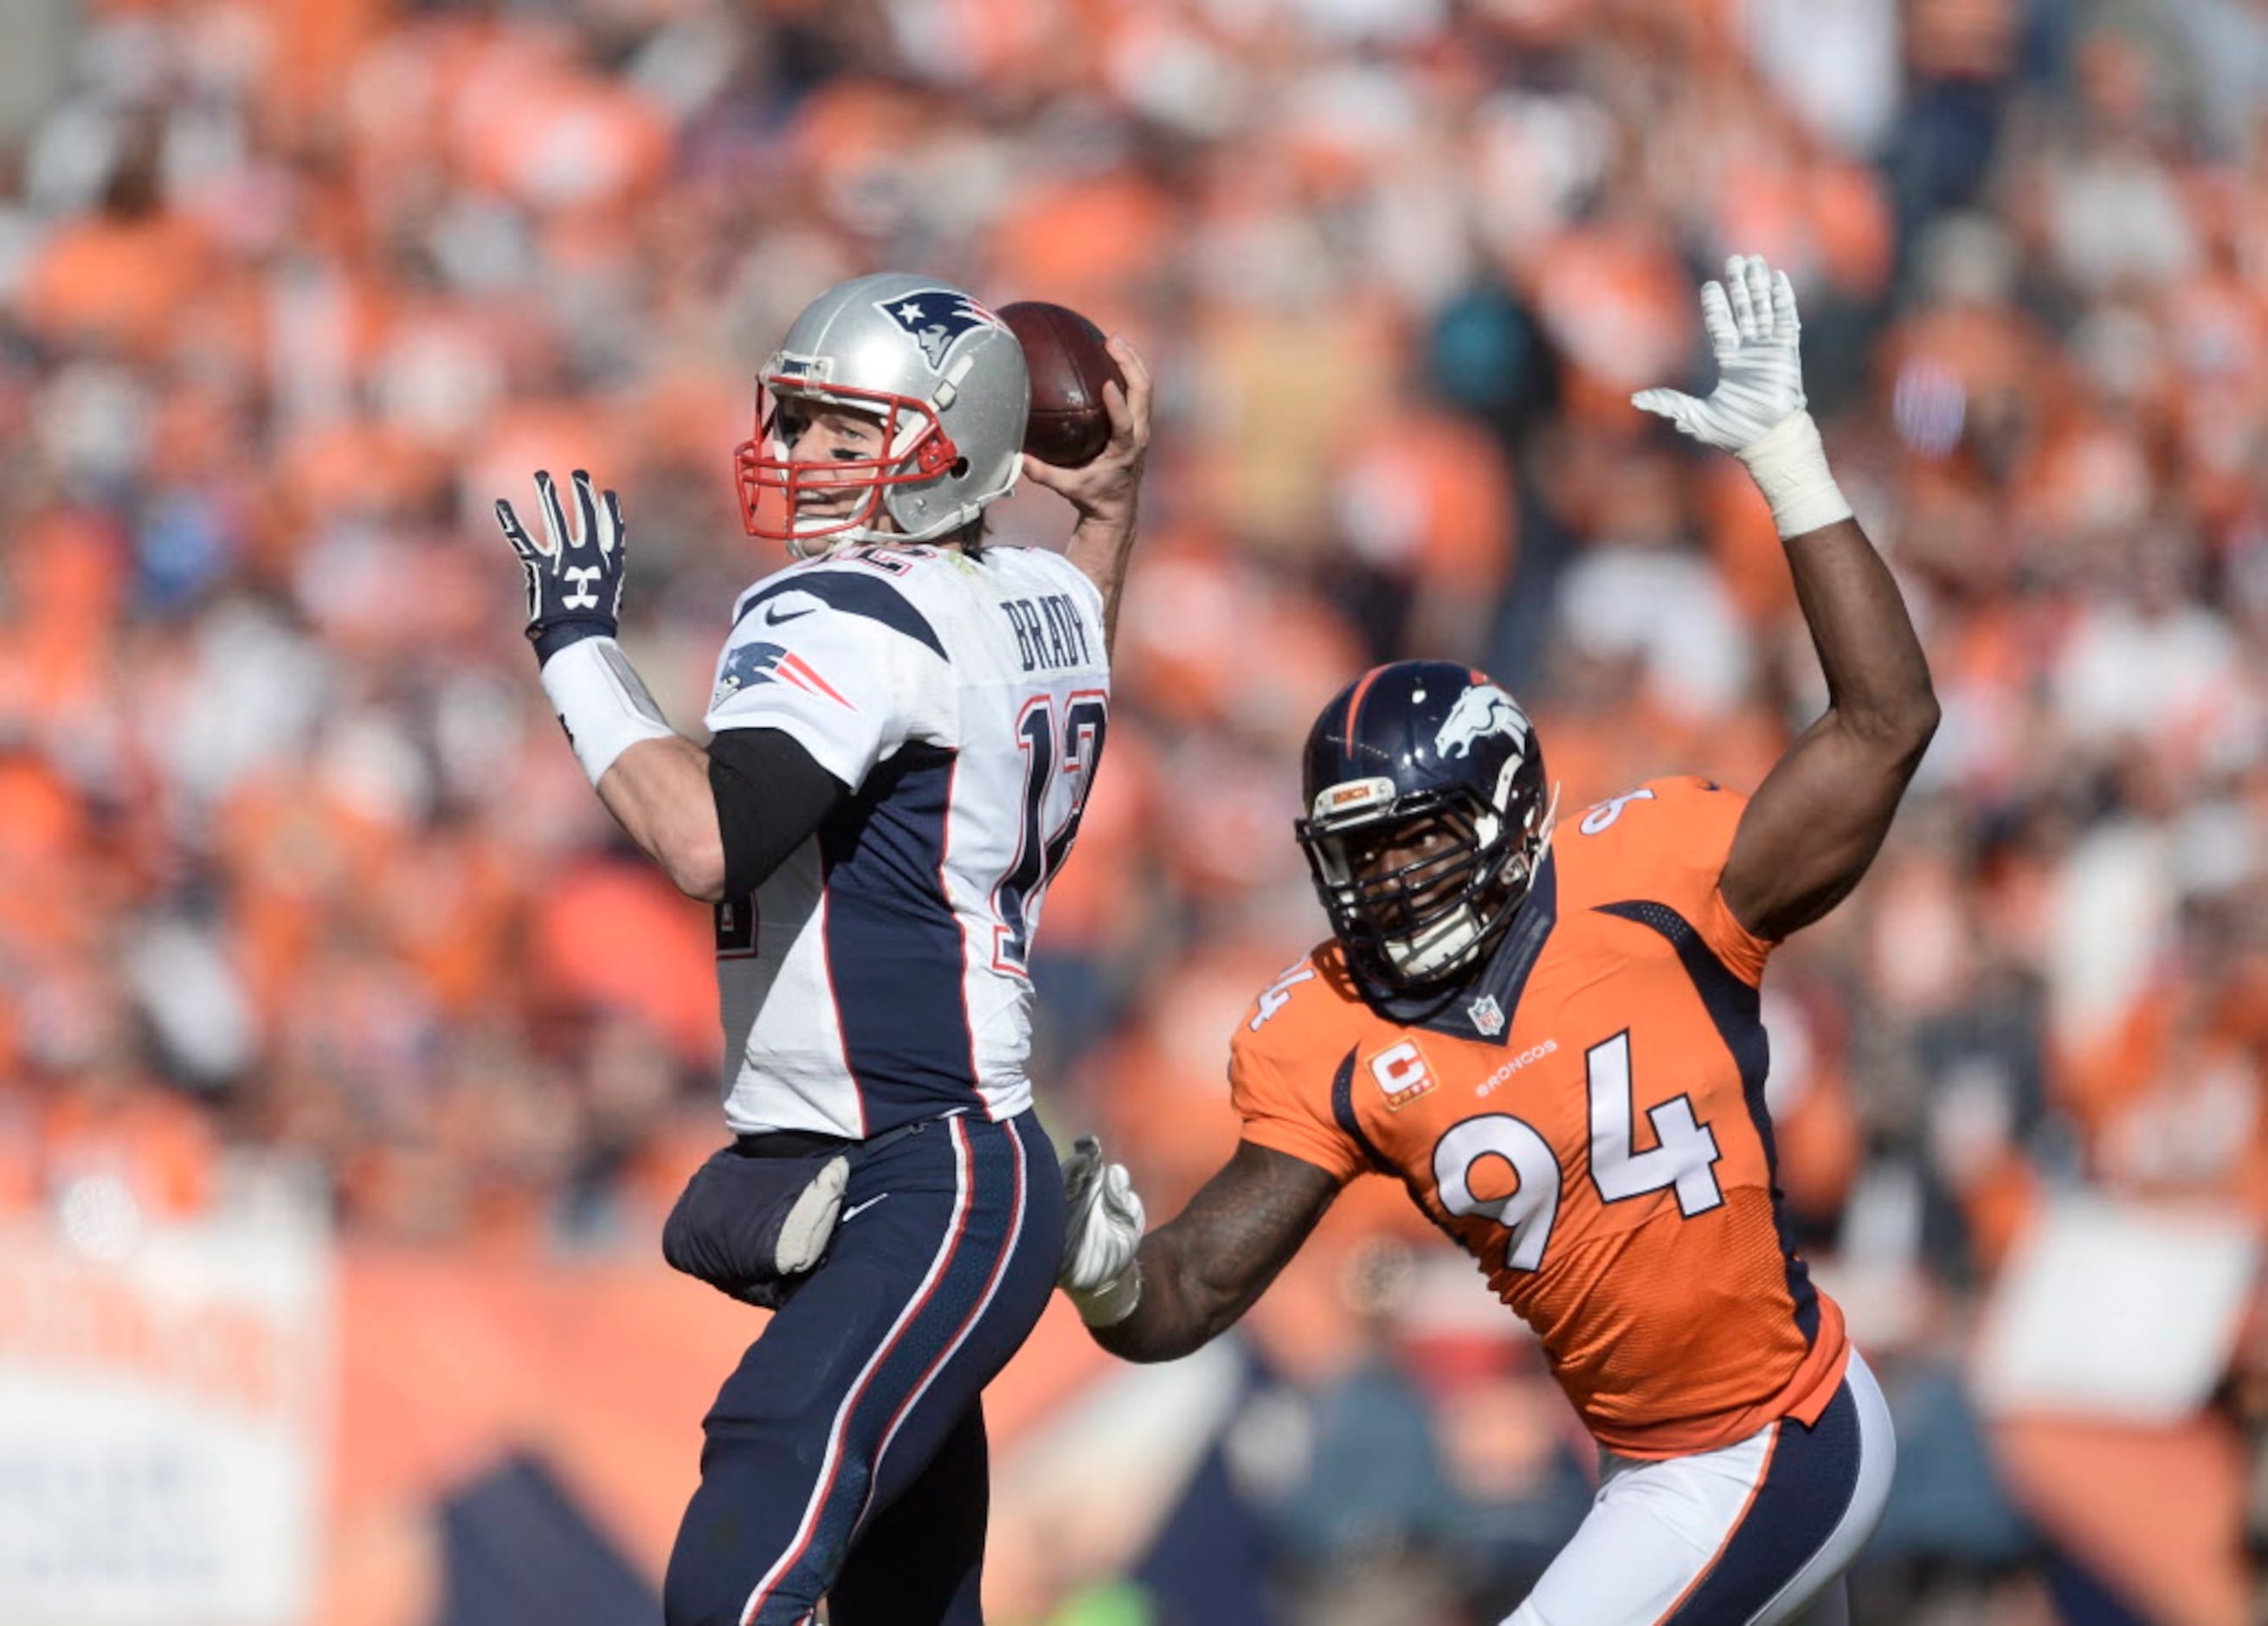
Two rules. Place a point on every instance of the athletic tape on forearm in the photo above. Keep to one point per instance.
(1108, 1306)
(605, 708)
(1790, 467)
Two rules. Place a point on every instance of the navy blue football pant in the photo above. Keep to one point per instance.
(845, 1458)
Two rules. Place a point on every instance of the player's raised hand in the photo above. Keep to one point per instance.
(1752, 326)
(575, 578)
(1103, 1221)
(1107, 487)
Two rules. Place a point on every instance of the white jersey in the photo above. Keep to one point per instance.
(880, 975)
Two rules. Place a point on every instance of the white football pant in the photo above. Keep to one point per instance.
(1753, 1533)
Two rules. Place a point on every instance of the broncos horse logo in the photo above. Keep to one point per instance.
(935, 319)
(1481, 711)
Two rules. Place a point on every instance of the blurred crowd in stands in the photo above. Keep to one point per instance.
(292, 856)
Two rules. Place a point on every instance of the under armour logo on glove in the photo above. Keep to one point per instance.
(575, 583)
(582, 597)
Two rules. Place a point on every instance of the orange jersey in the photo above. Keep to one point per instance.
(1586, 1117)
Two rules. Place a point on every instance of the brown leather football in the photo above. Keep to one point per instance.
(1069, 425)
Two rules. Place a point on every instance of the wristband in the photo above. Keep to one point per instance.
(1789, 465)
(601, 703)
(551, 636)
(1112, 1302)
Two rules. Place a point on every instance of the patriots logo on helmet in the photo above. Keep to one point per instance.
(771, 664)
(935, 319)
(1481, 711)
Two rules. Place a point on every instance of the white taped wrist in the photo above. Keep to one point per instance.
(1111, 1303)
(600, 701)
(1789, 465)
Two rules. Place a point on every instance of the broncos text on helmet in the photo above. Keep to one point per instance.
(945, 378)
(1428, 816)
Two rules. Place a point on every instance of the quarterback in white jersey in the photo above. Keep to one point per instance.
(881, 974)
(903, 733)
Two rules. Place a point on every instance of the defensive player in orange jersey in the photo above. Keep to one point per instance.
(1553, 1039)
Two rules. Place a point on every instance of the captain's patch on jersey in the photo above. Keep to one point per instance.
(1401, 1074)
(755, 663)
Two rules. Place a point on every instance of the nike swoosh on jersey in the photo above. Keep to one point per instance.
(772, 616)
(848, 1214)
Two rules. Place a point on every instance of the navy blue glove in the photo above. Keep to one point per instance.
(575, 585)
(751, 1226)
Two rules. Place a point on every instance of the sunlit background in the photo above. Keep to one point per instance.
(348, 1060)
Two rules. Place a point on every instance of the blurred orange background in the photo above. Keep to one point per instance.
(294, 867)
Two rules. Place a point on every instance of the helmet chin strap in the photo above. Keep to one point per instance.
(1439, 948)
(828, 540)
(826, 533)
(868, 533)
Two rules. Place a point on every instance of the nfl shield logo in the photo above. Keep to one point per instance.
(1487, 1015)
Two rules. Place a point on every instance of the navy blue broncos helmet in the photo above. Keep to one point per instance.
(1438, 760)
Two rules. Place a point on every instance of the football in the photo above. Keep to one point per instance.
(1069, 426)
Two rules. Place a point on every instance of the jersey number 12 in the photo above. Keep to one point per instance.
(1058, 774)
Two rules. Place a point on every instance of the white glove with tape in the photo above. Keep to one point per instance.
(1103, 1223)
(1757, 411)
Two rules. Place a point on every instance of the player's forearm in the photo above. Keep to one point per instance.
(1202, 1272)
(1102, 546)
(1105, 492)
(1180, 1311)
(659, 792)
(1877, 681)
(1813, 826)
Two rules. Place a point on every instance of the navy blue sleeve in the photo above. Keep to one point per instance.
(770, 796)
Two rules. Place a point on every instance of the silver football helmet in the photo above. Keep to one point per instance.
(947, 380)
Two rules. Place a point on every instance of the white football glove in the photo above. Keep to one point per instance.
(1753, 329)
(1103, 1223)
(1757, 411)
